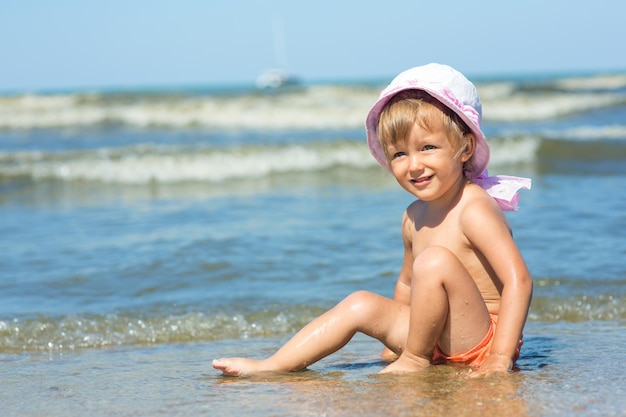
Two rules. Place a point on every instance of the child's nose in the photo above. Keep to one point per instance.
(415, 163)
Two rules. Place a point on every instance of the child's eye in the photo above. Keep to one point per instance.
(429, 147)
(398, 154)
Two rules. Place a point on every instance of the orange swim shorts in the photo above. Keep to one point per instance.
(475, 356)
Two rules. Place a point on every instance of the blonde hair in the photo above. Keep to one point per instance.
(409, 107)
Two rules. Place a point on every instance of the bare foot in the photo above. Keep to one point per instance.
(407, 363)
(239, 366)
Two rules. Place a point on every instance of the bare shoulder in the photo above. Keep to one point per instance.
(408, 218)
(414, 215)
(413, 212)
(480, 212)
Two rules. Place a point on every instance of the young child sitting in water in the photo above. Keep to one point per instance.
(463, 293)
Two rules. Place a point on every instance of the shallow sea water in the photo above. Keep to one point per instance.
(140, 245)
(558, 376)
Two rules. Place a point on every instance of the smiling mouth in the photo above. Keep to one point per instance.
(421, 180)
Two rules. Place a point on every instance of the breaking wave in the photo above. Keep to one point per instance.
(312, 107)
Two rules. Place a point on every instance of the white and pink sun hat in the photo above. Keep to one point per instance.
(448, 86)
(457, 93)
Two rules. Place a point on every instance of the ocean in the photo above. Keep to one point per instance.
(146, 232)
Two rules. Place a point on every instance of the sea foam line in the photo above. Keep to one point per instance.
(80, 331)
(314, 107)
(139, 165)
(142, 164)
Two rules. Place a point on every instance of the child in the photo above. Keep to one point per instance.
(463, 292)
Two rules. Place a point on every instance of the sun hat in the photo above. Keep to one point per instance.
(448, 86)
(457, 93)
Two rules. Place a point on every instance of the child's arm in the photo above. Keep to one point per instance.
(487, 229)
(402, 292)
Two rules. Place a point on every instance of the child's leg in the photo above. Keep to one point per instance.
(362, 311)
(446, 308)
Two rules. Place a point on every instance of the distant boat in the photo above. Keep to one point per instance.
(277, 77)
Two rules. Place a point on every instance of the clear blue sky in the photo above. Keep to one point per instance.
(124, 43)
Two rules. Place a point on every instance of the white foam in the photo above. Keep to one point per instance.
(598, 82)
(541, 106)
(513, 150)
(144, 165)
(313, 108)
(589, 133)
(316, 107)
(495, 90)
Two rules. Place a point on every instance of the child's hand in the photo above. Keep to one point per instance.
(493, 364)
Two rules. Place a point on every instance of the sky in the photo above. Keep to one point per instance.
(74, 44)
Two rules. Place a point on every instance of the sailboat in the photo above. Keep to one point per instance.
(277, 77)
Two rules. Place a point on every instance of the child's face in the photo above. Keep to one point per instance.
(426, 164)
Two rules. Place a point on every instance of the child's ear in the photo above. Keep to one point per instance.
(469, 147)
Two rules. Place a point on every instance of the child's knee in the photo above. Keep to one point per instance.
(433, 260)
(359, 302)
